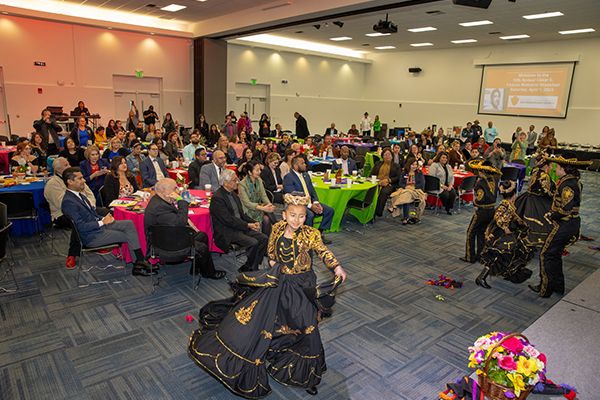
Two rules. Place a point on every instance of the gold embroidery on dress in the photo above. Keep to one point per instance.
(286, 330)
(309, 330)
(268, 335)
(503, 215)
(245, 314)
(479, 195)
(567, 196)
(248, 277)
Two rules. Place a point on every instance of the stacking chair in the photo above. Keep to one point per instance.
(87, 249)
(362, 151)
(20, 205)
(103, 196)
(511, 174)
(5, 248)
(467, 185)
(362, 205)
(235, 250)
(432, 184)
(376, 158)
(172, 244)
(360, 162)
(55, 252)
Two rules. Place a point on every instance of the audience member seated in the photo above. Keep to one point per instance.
(213, 136)
(100, 136)
(230, 154)
(474, 156)
(299, 181)
(424, 140)
(95, 230)
(286, 164)
(238, 146)
(189, 151)
(467, 134)
(495, 154)
(134, 160)
(388, 174)
(162, 154)
(72, 153)
(244, 138)
(519, 147)
(115, 148)
(82, 134)
(200, 160)
(94, 169)
(23, 156)
(439, 138)
(229, 128)
(49, 128)
(150, 132)
(172, 148)
(442, 170)
(130, 139)
(308, 147)
(153, 167)
(247, 156)
(397, 156)
(283, 145)
(119, 182)
(331, 130)
(211, 173)
(276, 133)
(411, 188)
(417, 155)
(271, 176)
(466, 151)
(345, 163)
(258, 151)
(548, 142)
(481, 145)
(407, 144)
(254, 198)
(161, 210)
(39, 150)
(353, 132)
(232, 225)
(455, 156)
(328, 149)
(139, 131)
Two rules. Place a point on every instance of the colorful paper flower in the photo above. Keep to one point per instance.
(509, 394)
(531, 351)
(507, 363)
(517, 381)
(513, 344)
(526, 366)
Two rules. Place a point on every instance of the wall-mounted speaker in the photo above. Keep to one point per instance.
(415, 70)
(473, 3)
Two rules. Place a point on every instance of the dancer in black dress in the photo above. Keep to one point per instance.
(273, 316)
(505, 253)
(565, 221)
(536, 202)
(485, 201)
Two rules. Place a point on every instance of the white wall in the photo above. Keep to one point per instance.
(86, 58)
(446, 91)
(330, 90)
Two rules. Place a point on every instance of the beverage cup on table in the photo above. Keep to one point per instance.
(174, 164)
(349, 181)
(187, 161)
(462, 167)
(373, 178)
(207, 190)
(354, 173)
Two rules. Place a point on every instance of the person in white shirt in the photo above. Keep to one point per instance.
(365, 125)
(189, 151)
(345, 163)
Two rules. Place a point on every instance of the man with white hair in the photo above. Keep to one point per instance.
(232, 225)
(161, 210)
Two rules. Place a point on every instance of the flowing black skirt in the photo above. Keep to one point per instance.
(532, 208)
(507, 255)
(269, 326)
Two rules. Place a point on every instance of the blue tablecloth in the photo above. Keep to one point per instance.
(20, 227)
(324, 160)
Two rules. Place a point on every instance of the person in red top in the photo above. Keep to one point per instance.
(481, 145)
(308, 146)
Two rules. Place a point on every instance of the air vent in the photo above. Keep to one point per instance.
(166, 17)
(287, 3)
(494, 33)
(299, 32)
(151, 5)
(435, 12)
(366, 44)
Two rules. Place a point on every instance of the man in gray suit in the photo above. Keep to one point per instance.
(228, 129)
(210, 173)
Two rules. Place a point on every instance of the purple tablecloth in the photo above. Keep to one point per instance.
(20, 227)
(523, 170)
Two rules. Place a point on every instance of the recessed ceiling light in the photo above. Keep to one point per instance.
(464, 41)
(514, 37)
(377, 34)
(544, 15)
(303, 45)
(421, 44)
(424, 29)
(173, 7)
(577, 31)
(476, 23)
(202, 0)
(339, 39)
(385, 47)
(152, 33)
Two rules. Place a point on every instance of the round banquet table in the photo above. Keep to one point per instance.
(458, 177)
(320, 160)
(338, 199)
(183, 172)
(4, 160)
(28, 226)
(199, 216)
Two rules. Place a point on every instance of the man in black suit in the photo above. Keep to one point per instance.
(232, 225)
(200, 159)
(331, 130)
(95, 230)
(49, 129)
(301, 126)
(161, 210)
(152, 168)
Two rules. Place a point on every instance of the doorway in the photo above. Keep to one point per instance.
(253, 99)
(141, 92)
(4, 122)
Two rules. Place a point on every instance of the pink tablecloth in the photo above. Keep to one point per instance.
(200, 218)
(458, 177)
(173, 173)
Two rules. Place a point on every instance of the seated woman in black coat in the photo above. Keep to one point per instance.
(388, 174)
(271, 176)
(119, 182)
(72, 153)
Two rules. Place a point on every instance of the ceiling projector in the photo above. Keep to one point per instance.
(385, 26)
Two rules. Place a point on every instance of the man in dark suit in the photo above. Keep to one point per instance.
(200, 159)
(276, 133)
(331, 130)
(95, 230)
(232, 225)
(345, 163)
(49, 129)
(161, 210)
(298, 180)
(152, 168)
(301, 126)
(210, 173)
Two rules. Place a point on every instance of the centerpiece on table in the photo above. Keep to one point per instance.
(508, 365)
(20, 171)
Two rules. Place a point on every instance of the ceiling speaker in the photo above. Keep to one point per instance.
(473, 3)
(415, 70)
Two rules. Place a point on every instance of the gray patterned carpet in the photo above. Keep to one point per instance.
(389, 337)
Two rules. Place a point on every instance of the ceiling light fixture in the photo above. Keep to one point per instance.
(476, 23)
(514, 37)
(424, 29)
(173, 7)
(377, 34)
(421, 44)
(303, 45)
(544, 15)
(587, 30)
(338, 23)
(317, 26)
(339, 39)
(464, 41)
(385, 47)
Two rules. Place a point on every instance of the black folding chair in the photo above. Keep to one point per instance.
(103, 196)
(20, 206)
(55, 252)
(270, 196)
(4, 245)
(320, 167)
(172, 244)
(467, 185)
(511, 174)
(362, 205)
(360, 162)
(374, 148)
(432, 185)
(87, 249)
(362, 151)
(376, 158)
(236, 250)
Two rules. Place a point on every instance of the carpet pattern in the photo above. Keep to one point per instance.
(389, 337)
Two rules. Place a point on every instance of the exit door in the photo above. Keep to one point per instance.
(253, 99)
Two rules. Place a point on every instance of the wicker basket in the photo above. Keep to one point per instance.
(493, 390)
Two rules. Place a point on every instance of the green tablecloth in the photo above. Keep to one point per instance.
(338, 199)
(277, 140)
(369, 163)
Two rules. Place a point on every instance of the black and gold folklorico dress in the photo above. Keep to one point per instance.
(485, 201)
(506, 254)
(271, 319)
(534, 204)
(566, 230)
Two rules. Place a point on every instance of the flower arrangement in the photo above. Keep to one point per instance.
(23, 168)
(513, 362)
